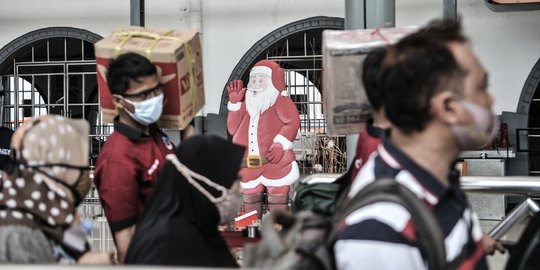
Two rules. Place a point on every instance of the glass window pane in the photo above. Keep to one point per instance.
(74, 49)
(75, 89)
(90, 88)
(56, 91)
(56, 49)
(75, 112)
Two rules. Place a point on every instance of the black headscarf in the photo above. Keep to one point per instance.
(179, 224)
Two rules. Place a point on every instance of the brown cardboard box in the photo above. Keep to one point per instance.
(176, 53)
(345, 102)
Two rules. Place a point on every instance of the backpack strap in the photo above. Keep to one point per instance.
(276, 243)
(293, 226)
(428, 231)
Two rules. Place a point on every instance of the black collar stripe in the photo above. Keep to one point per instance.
(391, 154)
(132, 133)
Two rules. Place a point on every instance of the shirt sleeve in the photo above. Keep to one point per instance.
(377, 240)
(116, 181)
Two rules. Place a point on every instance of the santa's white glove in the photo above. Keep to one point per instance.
(275, 153)
(236, 91)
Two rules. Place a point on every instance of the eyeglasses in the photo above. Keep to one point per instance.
(152, 92)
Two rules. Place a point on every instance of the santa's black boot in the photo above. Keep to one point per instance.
(253, 202)
(278, 202)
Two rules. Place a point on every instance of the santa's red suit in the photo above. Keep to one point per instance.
(273, 126)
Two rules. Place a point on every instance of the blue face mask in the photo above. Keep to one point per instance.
(147, 111)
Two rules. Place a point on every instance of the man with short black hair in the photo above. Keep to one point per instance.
(437, 101)
(134, 153)
(378, 126)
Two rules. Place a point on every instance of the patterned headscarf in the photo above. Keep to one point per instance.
(36, 194)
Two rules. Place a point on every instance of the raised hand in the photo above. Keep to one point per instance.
(236, 91)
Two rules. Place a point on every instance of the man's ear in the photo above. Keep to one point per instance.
(118, 101)
(445, 107)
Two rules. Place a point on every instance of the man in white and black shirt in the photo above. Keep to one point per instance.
(435, 95)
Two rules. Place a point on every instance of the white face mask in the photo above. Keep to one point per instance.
(147, 111)
(480, 132)
(228, 204)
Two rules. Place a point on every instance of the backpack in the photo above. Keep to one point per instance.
(306, 238)
(319, 193)
(298, 244)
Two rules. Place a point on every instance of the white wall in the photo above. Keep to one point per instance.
(99, 16)
(507, 43)
(508, 46)
(230, 30)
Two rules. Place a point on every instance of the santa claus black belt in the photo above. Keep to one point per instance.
(254, 162)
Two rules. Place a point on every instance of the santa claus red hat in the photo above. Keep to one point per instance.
(272, 70)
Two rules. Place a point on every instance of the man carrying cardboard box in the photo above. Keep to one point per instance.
(134, 153)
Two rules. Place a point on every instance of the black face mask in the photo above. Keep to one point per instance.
(14, 165)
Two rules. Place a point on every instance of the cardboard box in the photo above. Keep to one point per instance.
(345, 102)
(178, 56)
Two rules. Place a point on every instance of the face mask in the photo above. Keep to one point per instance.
(228, 204)
(21, 166)
(480, 132)
(77, 198)
(147, 111)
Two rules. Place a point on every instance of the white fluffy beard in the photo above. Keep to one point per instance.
(258, 102)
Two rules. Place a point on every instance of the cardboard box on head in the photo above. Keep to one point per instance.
(345, 102)
(178, 57)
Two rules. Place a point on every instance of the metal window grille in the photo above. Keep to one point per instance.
(316, 151)
(58, 76)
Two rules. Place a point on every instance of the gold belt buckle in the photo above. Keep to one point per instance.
(254, 162)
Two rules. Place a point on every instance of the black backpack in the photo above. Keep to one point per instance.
(305, 240)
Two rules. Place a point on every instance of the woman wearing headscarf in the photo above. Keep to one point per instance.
(197, 190)
(38, 198)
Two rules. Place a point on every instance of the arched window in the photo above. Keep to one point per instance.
(528, 138)
(297, 47)
(52, 71)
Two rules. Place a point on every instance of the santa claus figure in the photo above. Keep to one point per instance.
(265, 120)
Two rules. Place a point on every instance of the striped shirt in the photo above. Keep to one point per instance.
(382, 235)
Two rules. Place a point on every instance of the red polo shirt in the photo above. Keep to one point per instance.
(367, 144)
(126, 170)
